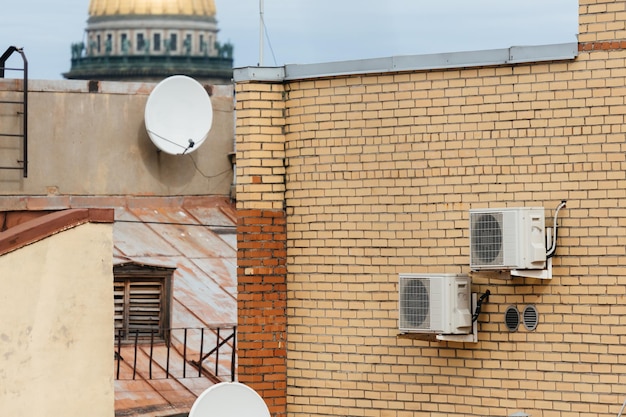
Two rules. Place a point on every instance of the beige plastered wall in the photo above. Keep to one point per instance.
(89, 138)
(377, 173)
(56, 332)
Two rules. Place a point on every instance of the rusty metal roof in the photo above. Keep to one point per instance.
(197, 237)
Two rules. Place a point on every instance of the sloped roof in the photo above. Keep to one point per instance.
(41, 227)
(197, 237)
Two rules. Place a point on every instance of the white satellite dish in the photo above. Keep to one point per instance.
(229, 399)
(178, 115)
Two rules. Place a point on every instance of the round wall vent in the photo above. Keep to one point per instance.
(511, 318)
(531, 317)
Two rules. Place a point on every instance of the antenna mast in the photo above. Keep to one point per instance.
(261, 32)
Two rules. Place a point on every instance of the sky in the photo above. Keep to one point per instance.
(311, 31)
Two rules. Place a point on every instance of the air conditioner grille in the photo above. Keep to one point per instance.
(487, 238)
(415, 304)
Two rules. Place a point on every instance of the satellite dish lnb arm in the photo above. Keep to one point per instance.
(190, 146)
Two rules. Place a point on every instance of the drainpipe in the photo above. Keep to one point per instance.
(232, 156)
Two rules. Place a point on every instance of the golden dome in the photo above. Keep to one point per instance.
(152, 7)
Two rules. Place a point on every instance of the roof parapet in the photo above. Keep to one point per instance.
(484, 58)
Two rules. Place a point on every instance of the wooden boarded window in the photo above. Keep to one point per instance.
(142, 297)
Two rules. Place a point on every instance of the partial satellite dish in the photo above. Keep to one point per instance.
(229, 399)
(178, 115)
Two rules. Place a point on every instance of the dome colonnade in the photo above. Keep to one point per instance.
(150, 39)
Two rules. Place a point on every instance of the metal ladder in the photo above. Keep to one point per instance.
(23, 163)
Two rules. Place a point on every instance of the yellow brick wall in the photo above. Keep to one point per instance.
(260, 144)
(379, 174)
(601, 20)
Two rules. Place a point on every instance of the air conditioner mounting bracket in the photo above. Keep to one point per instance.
(535, 273)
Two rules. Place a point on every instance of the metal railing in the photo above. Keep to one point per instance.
(142, 66)
(182, 353)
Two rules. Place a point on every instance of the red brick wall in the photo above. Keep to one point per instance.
(262, 305)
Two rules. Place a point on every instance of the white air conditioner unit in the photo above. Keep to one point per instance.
(435, 303)
(507, 238)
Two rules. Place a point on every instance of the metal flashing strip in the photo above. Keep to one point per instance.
(491, 57)
(272, 74)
